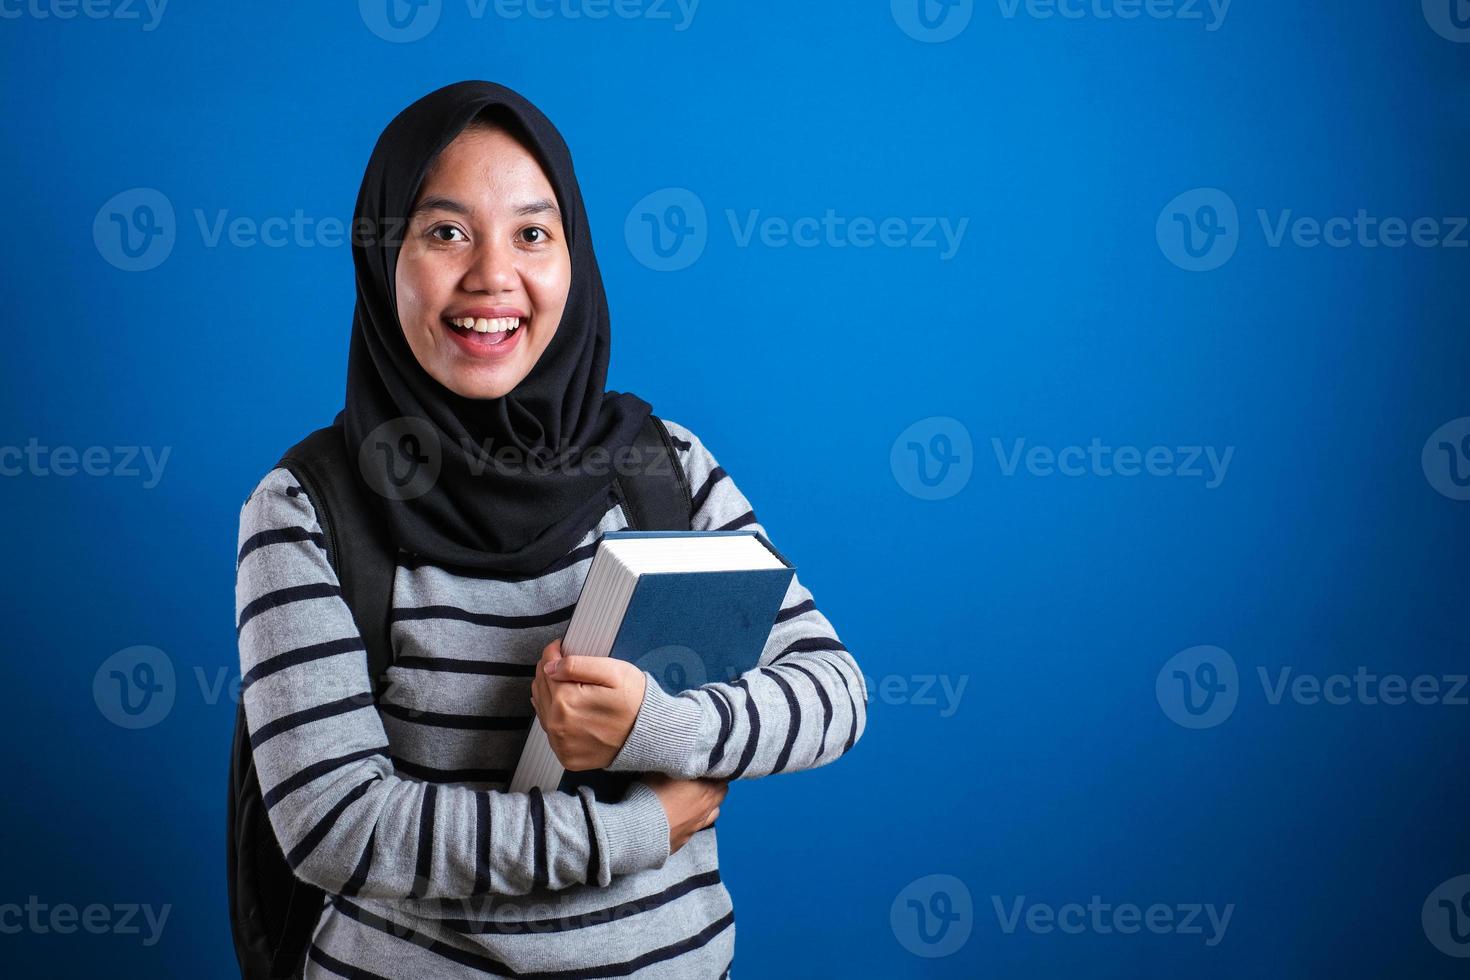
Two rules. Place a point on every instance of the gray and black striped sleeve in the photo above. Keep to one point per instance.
(346, 821)
(802, 707)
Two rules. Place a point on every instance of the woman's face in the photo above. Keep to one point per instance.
(484, 270)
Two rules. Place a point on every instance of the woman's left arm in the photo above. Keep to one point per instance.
(802, 707)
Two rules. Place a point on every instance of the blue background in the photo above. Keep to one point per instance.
(1060, 775)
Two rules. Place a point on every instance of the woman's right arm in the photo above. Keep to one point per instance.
(345, 820)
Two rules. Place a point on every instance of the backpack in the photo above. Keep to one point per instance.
(272, 912)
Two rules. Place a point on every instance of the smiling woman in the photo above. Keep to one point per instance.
(402, 850)
(484, 270)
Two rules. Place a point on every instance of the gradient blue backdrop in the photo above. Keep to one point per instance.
(1056, 600)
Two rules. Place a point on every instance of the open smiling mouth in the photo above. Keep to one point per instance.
(485, 332)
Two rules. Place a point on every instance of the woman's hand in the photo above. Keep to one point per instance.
(691, 804)
(587, 705)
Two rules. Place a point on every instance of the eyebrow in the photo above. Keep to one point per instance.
(438, 203)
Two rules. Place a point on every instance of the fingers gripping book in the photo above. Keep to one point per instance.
(689, 607)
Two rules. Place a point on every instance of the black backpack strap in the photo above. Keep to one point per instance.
(656, 495)
(363, 557)
(357, 542)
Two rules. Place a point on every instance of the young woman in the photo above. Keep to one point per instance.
(481, 325)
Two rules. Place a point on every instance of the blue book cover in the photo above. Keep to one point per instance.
(688, 629)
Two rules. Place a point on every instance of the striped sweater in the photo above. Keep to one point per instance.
(400, 811)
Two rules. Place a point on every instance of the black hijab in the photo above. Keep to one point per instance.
(487, 484)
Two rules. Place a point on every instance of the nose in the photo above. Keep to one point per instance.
(492, 268)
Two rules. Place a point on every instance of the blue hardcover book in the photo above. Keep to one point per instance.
(689, 607)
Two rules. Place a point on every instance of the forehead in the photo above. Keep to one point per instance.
(487, 167)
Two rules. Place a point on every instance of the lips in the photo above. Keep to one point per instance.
(486, 333)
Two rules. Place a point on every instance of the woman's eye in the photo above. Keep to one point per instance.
(535, 236)
(445, 233)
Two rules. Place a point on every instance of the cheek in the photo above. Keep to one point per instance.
(548, 287)
(418, 283)
(410, 297)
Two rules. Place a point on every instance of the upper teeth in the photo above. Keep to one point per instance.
(498, 324)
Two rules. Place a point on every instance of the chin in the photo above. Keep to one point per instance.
(480, 384)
